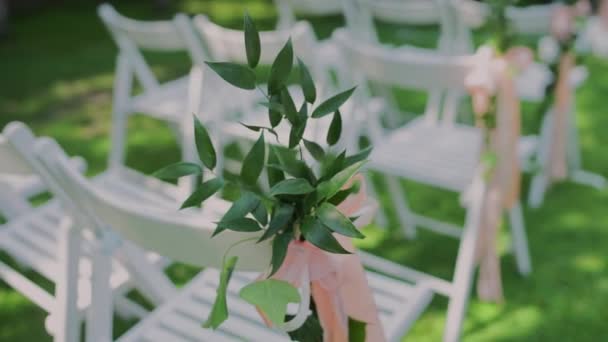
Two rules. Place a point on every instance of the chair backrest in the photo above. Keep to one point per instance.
(180, 236)
(415, 69)
(132, 36)
(287, 9)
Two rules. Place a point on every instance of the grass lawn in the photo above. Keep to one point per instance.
(56, 74)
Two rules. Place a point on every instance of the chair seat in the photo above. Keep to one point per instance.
(444, 156)
(180, 319)
(169, 101)
(32, 238)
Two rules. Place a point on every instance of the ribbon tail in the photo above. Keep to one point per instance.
(558, 165)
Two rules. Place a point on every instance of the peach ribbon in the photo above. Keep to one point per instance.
(339, 286)
(493, 76)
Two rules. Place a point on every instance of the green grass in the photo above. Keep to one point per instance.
(56, 74)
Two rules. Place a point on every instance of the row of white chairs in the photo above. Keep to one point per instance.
(106, 217)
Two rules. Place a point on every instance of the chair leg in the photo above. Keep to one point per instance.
(66, 327)
(381, 217)
(538, 187)
(100, 314)
(406, 217)
(122, 89)
(520, 241)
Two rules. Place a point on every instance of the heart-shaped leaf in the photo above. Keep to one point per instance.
(271, 297)
(178, 170)
(280, 69)
(279, 250)
(335, 129)
(330, 187)
(219, 312)
(254, 162)
(316, 151)
(279, 221)
(307, 84)
(252, 41)
(356, 330)
(332, 104)
(204, 146)
(243, 224)
(238, 75)
(293, 186)
(333, 219)
(316, 233)
(203, 192)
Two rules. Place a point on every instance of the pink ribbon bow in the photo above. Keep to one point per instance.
(493, 77)
(339, 286)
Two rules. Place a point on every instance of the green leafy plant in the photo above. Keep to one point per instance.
(301, 204)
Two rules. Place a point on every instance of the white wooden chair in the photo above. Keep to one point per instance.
(186, 237)
(289, 8)
(444, 155)
(39, 238)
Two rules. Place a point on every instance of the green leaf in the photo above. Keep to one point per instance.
(261, 214)
(271, 297)
(279, 250)
(290, 108)
(279, 221)
(204, 146)
(294, 186)
(254, 162)
(204, 191)
(280, 69)
(362, 155)
(293, 166)
(241, 207)
(260, 128)
(274, 105)
(274, 110)
(328, 188)
(274, 175)
(178, 170)
(243, 224)
(341, 195)
(316, 233)
(332, 104)
(335, 129)
(235, 74)
(311, 331)
(333, 167)
(308, 85)
(219, 312)
(296, 133)
(316, 151)
(356, 330)
(252, 41)
(333, 219)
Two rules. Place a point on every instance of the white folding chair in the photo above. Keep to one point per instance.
(52, 243)
(439, 155)
(167, 101)
(289, 8)
(186, 237)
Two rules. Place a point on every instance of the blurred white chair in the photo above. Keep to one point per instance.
(48, 240)
(289, 8)
(186, 237)
(443, 155)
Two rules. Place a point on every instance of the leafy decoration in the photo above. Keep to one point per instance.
(254, 162)
(306, 82)
(271, 297)
(281, 68)
(203, 192)
(335, 129)
(332, 104)
(252, 42)
(178, 170)
(204, 146)
(235, 74)
(219, 312)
